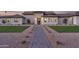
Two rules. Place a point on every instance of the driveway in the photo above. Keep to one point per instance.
(39, 39)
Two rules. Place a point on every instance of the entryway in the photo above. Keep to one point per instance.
(38, 21)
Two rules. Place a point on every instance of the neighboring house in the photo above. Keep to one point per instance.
(12, 20)
(50, 18)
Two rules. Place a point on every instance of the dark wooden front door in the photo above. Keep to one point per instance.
(38, 21)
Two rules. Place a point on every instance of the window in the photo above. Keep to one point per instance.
(3, 21)
(55, 20)
(15, 20)
(50, 20)
(45, 20)
(8, 20)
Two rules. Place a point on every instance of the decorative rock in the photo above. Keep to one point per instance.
(23, 42)
(27, 36)
(59, 43)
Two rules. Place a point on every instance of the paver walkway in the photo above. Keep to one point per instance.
(39, 39)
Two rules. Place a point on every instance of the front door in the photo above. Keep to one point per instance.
(38, 21)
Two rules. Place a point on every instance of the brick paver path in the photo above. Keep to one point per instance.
(39, 39)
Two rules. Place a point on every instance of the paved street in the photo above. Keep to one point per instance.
(39, 39)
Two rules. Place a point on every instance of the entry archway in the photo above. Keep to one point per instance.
(38, 21)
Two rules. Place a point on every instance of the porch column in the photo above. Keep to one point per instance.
(75, 20)
(35, 20)
(42, 21)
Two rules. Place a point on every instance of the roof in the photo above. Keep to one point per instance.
(76, 14)
(58, 15)
(51, 14)
(38, 11)
(12, 16)
(44, 12)
(28, 13)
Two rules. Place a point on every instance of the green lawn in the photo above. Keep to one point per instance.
(65, 28)
(12, 28)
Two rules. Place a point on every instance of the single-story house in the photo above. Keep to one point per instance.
(40, 17)
(50, 18)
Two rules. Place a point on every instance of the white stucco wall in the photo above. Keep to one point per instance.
(70, 20)
(75, 20)
(60, 20)
(30, 17)
(0, 21)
